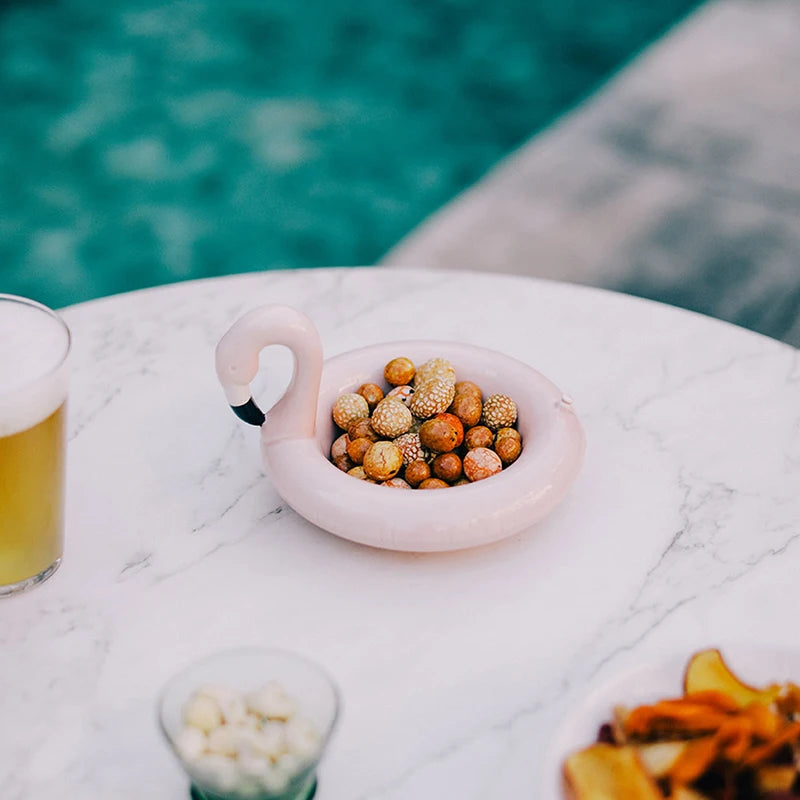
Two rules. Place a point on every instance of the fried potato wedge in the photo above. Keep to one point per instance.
(681, 717)
(713, 699)
(775, 778)
(758, 755)
(729, 738)
(618, 724)
(685, 793)
(698, 756)
(606, 772)
(764, 721)
(789, 699)
(658, 758)
(707, 671)
(734, 737)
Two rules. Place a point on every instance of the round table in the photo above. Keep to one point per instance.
(681, 531)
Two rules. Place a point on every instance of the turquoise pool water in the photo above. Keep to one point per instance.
(145, 142)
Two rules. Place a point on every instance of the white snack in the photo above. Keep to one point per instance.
(271, 701)
(190, 743)
(275, 780)
(202, 712)
(251, 721)
(224, 741)
(230, 702)
(290, 764)
(235, 712)
(219, 771)
(246, 738)
(270, 740)
(245, 744)
(253, 765)
(302, 738)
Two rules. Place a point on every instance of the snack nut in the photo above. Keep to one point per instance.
(479, 436)
(391, 418)
(481, 463)
(417, 472)
(499, 411)
(423, 429)
(431, 398)
(372, 393)
(382, 461)
(436, 368)
(399, 371)
(348, 408)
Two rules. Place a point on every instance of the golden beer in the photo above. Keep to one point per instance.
(31, 499)
(34, 344)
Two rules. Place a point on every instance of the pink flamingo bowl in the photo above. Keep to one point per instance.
(297, 433)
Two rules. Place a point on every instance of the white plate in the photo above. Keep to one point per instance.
(755, 664)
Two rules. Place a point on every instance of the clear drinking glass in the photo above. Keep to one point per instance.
(34, 346)
(244, 671)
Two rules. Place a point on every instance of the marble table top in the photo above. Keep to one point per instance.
(682, 530)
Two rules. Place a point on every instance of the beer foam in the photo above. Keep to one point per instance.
(33, 372)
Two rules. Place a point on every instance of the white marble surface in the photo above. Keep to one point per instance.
(681, 530)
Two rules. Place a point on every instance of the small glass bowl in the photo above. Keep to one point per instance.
(245, 670)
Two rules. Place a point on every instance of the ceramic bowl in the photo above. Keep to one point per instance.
(298, 431)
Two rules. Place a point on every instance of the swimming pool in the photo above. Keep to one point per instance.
(146, 142)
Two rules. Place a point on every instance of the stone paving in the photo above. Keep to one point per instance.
(679, 181)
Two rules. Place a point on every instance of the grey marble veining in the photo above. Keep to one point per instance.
(680, 181)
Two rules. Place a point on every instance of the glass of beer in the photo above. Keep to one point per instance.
(34, 345)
